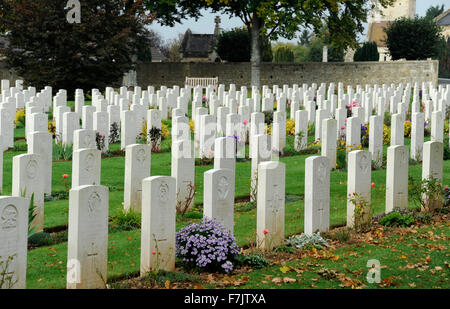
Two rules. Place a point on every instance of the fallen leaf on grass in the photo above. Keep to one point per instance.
(289, 280)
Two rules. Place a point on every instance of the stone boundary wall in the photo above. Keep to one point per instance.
(350, 73)
(239, 73)
(5, 73)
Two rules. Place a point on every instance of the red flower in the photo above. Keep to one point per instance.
(372, 185)
(265, 231)
(153, 252)
(65, 175)
(446, 188)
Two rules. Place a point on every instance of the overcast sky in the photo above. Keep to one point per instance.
(205, 24)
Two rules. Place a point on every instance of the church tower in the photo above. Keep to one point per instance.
(400, 8)
(381, 17)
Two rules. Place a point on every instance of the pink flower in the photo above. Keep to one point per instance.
(245, 121)
(343, 128)
(100, 134)
(265, 231)
(372, 184)
(153, 252)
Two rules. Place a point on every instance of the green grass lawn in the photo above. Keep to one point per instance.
(47, 264)
(416, 259)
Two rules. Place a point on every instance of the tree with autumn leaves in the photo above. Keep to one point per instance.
(45, 49)
(275, 18)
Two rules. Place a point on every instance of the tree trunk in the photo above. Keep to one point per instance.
(256, 50)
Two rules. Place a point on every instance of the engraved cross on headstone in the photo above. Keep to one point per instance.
(320, 211)
(91, 257)
(274, 205)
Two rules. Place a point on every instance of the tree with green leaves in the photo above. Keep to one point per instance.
(275, 19)
(45, 49)
(304, 38)
(434, 11)
(444, 62)
(283, 54)
(234, 46)
(414, 39)
(367, 52)
(315, 52)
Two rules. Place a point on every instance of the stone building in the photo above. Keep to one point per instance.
(381, 17)
(444, 21)
(200, 47)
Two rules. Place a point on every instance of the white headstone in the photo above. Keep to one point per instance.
(317, 194)
(27, 180)
(137, 167)
(358, 181)
(13, 241)
(397, 177)
(87, 245)
(86, 167)
(158, 224)
(218, 197)
(270, 204)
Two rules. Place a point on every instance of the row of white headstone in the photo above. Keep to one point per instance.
(87, 192)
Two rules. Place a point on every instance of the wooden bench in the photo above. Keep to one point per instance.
(203, 82)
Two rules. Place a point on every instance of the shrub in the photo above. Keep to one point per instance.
(446, 196)
(114, 133)
(165, 133)
(126, 220)
(362, 215)
(404, 41)
(367, 52)
(423, 217)
(234, 46)
(386, 135)
(207, 246)
(397, 218)
(100, 141)
(446, 148)
(387, 119)
(407, 130)
(303, 240)
(364, 135)
(311, 129)
(256, 261)
(427, 193)
(290, 127)
(268, 117)
(341, 234)
(192, 126)
(283, 54)
(62, 152)
(20, 118)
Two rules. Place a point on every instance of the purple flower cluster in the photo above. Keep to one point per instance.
(207, 245)
(363, 130)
